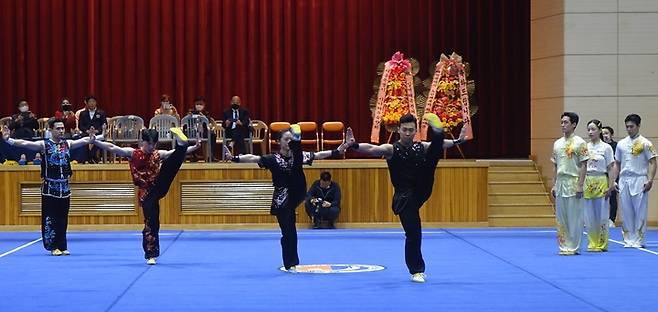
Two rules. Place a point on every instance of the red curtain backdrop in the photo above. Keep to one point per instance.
(288, 60)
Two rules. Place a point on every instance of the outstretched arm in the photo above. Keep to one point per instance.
(31, 145)
(448, 143)
(88, 139)
(339, 151)
(246, 158)
(385, 150)
(119, 151)
(190, 149)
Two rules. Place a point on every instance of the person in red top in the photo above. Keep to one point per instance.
(68, 116)
(152, 172)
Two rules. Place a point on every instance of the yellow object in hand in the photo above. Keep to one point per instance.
(433, 120)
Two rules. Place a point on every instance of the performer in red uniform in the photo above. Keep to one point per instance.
(152, 171)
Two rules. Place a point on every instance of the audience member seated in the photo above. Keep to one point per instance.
(237, 125)
(91, 117)
(23, 125)
(323, 201)
(65, 112)
(200, 109)
(166, 107)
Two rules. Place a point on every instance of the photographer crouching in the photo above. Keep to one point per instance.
(323, 201)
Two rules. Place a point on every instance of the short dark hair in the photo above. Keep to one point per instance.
(278, 135)
(90, 97)
(21, 101)
(150, 135)
(573, 117)
(52, 121)
(612, 131)
(633, 118)
(200, 98)
(325, 176)
(408, 118)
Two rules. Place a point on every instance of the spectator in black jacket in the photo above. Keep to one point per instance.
(323, 201)
(91, 117)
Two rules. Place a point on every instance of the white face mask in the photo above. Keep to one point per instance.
(166, 105)
(23, 109)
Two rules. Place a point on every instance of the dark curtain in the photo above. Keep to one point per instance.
(288, 60)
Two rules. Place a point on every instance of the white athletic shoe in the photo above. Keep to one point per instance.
(418, 277)
(292, 269)
(150, 261)
(56, 252)
(627, 245)
(611, 223)
(66, 253)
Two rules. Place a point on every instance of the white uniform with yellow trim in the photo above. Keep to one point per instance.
(597, 207)
(568, 153)
(634, 155)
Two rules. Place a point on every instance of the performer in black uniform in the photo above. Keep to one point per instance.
(55, 172)
(289, 184)
(411, 166)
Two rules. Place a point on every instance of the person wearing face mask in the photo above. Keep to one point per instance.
(24, 124)
(237, 124)
(65, 113)
(92, 117)
(199, 108)
(166, 107)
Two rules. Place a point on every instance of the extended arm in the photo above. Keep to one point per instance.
(31, 145)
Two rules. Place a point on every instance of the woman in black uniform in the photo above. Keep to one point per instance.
(289, 184)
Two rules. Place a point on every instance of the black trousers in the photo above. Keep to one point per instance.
(151, 203)
(613, 206)
(54, 221)
(410, 220)
(237, 135)
(407, 203)
(319, 212)
(286, 219)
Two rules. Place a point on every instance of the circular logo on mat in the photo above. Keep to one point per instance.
(336, 268)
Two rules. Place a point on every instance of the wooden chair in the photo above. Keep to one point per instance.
(333, 133)
(259, 135)
(43, 126)
(310, 134)
(275, 128)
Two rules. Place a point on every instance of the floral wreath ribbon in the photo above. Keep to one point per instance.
(441, 69)
(397, 62)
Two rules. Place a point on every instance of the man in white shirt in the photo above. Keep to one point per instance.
(636, 160)
(570, 159)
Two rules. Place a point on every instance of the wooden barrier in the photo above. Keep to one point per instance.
(225, 193)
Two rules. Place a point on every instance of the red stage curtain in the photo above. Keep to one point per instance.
(288, 60)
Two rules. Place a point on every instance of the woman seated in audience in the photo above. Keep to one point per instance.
(166, 107)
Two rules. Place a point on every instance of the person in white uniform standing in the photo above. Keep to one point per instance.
(636, 159)
(570, 159)
(599, 184)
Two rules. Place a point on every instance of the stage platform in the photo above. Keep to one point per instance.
(229, 194)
